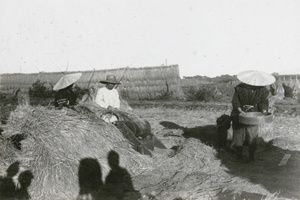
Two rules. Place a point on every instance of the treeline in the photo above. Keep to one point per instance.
(218, 79)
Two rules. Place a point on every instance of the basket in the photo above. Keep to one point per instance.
(255, 118)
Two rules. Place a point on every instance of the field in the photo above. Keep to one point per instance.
(263, 179)
(191, 169)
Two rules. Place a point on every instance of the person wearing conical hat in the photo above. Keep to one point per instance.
(251, 95)
(65, 96)
(108, 97)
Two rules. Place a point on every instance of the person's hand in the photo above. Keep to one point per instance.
(265, 112)
(241, 111)
(109, 108)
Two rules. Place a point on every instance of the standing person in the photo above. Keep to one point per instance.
(250, 96)
(108, 97)
(65, 96)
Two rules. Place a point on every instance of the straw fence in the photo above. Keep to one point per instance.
(137, 83)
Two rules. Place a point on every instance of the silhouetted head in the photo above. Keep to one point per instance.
(113, 158)
(25, 179)
(13, 169)
(90, 167)
(89, 175)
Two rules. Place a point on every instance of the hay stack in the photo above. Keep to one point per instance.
(56, 142)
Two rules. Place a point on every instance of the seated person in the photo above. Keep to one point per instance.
(108, 97)
(65, 96)
(135, 129)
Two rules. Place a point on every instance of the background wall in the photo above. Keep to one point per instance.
(137, 83)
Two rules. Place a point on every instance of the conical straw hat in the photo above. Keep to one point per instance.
(256, 78)
(67, 80)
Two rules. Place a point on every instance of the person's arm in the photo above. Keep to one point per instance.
(236, 102)
(100, 99)
(72, 98)
(61, 99)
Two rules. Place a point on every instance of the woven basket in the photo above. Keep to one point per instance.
(255, 118)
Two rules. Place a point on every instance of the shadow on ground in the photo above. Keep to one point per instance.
(206, 134)
(282, 180)
(117, 185)
(8, 188)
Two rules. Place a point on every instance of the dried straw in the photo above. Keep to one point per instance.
(143, 125)
(56, 142)
(193, 172)
(7, 153)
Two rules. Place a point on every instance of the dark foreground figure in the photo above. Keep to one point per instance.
(9, 190)
(118, 184)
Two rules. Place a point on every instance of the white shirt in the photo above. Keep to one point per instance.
(106, 97)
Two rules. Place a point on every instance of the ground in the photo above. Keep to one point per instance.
(282, 182)
(220, 177)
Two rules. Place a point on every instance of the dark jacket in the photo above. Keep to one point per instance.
(249, 99)
(65, 98)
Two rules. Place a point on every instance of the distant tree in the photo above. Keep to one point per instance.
(38, 89)
(275, 74)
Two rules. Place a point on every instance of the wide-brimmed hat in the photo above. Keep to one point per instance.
(110, 79)
(256, 78)
(67, 80)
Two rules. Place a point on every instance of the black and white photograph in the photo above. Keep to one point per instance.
(149, 99)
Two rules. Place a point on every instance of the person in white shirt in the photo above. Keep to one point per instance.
(108, 97)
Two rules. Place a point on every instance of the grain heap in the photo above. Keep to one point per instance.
(56, 142)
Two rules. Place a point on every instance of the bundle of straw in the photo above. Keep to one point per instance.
(143, 125)
(56, 142)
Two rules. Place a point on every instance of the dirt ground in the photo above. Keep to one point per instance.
(207, 173)
(264, 179)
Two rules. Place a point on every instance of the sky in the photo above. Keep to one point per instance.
(204, 37)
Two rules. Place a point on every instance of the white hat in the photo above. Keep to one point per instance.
(256, 78)
(67, 80)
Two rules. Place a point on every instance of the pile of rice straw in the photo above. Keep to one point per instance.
(7, 154)
(142, 124)
(56, 142)
(192, 173)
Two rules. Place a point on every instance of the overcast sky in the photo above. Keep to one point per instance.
(204, 37)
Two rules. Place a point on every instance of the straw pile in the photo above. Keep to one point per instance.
(7, 154)
(143, 125)
(56, 142)
(193, 172)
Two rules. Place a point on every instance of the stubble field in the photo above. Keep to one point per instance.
(222, 178)
(192, 169)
